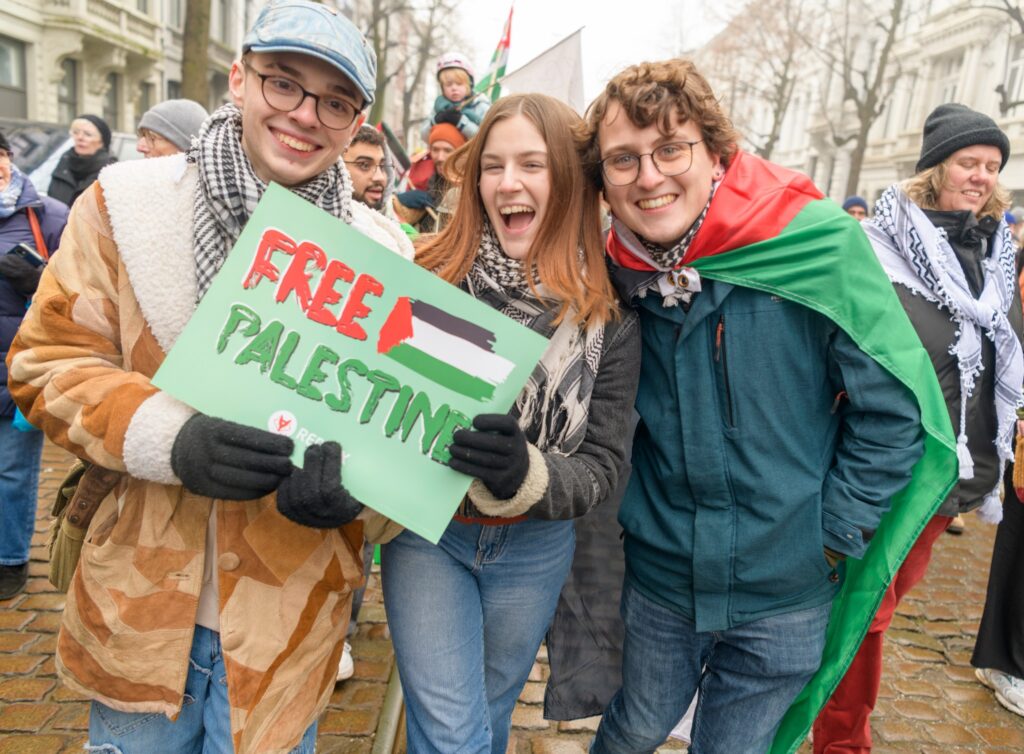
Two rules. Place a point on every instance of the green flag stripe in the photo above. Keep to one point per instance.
(823, 260)
(443, 374)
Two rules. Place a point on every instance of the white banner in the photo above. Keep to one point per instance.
(557, 72)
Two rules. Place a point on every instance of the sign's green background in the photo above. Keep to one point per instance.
(392, 477)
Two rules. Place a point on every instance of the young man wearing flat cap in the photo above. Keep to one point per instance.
(948, 251)
(210, 602)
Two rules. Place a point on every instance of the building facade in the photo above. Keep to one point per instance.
(944, 51)
(114, 58)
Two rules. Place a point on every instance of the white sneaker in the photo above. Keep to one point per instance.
(1009, 689)
(346, 668)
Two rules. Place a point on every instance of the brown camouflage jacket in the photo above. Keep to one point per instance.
(110, 305)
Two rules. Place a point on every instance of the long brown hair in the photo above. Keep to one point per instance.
(571, 222)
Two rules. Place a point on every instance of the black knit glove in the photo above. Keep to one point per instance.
(23, 276)
(313, 495)
(218, 458)
(448, 116)
(495, 453)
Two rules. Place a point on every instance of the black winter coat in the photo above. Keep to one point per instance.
(74, 174)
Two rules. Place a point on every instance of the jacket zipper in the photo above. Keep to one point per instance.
(722, 357)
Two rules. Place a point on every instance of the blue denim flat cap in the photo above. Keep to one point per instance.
(313, 29)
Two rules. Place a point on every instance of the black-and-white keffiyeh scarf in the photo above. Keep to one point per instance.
(917, 255)
(676, 285)
(669, 259)
(554, 406)
(228, 190)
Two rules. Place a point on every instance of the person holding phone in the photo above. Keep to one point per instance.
(30, 228)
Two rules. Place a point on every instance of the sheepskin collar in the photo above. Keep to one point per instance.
(150, 207)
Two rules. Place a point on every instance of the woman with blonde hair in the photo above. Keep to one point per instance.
(467, 615)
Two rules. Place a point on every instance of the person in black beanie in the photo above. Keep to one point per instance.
(942, 238)
(79, 166)
(951, 127)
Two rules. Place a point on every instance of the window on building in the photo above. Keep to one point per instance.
(891, 107)
(908, 108)
(112, 101)
(145, 100)
(948, 77)
(173, 89)
(220, 21)
(812, 166)
(176, 14)
(67, 91)
(226, 9)
(1015, 72)
(13, 89)
(143, 6)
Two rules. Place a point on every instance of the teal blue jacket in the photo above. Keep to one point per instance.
(765, 436)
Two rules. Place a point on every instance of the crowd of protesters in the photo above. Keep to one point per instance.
(714, 375)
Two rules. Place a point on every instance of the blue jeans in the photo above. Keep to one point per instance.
(204, 725)
(467, 617)
(19, 483)
(745, 677)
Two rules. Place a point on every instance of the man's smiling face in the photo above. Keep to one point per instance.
(366, 166)
(290, 148)
(658, 207)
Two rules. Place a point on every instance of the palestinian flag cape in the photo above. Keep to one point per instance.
(770, 229)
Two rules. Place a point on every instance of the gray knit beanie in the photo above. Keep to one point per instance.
(177, 120)
(951, 127)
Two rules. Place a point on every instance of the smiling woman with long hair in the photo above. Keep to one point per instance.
(467, 615)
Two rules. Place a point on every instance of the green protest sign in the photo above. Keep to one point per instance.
(314, 331)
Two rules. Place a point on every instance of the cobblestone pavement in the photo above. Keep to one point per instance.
(930, 701)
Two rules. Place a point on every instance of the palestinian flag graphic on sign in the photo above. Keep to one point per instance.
(453, 352)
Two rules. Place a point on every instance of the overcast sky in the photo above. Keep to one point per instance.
(616, 32)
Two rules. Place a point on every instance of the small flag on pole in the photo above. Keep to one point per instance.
(453, 352)
(489, 84)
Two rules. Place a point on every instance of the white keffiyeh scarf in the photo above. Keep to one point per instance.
(554, 406)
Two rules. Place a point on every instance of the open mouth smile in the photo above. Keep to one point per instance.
(293, 142)
(657, 202)
(517, 217)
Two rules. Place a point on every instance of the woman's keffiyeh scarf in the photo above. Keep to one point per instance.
(917, 255)
(228, 190)
(554, 406)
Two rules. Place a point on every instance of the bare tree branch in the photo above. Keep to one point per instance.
(757, 56)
